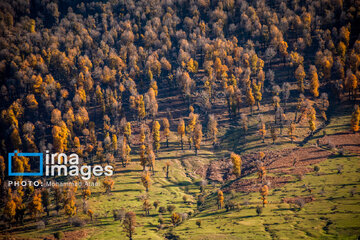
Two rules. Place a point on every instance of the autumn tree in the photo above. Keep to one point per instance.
(70, 205)
(156, 135)
(355, 119)
(142, 134)
(212, 128)
(181, 132)
(35, 205)
(323, 105)
(127, 131)
(10, 207)
(141, 107)
(262, 131)
(58, 197)
(351, 83)
(125, 152)
(220, 199)
(257, 93)
(60, 137)
(146, 181)
(264, 191)
(300, 76)
(45, 198)
(291, 131)
(114, 142)
(197, 137)
(190, 129)
(147, 207)
(314, 81)
(143, 159)
(90, 213)
(312, 118)
(175, 218)
(250, 97)
(273, 133)
(151, 102)
(108, 184)
(85, 194)
(166, 126)
(283, 49)
(151, 158)
(129, 224)
(236, 161)
(261, 173)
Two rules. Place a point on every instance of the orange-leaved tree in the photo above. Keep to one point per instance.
(355, 119)
(181, 132)
(220, 199)
(264, 191)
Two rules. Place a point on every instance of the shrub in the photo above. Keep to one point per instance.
(171, 208)
(259, 210)
(198, 223)
(200, 201)
(156, 204)
(59, 235)
(119, 214)
(77, 222)
(162, 210)
(184, 216)
(190, 212)
(300, 203)
(341, 152)
(352, 192)
(316, 168)
(340, 169)
(161, 220)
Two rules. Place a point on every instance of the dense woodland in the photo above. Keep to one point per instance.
(85, 77)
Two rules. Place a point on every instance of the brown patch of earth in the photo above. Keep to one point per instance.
(349, 142)
(71, 235)
(306, 199)
(282, 163)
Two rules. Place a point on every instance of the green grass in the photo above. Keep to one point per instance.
(334, 214)
(283, 221)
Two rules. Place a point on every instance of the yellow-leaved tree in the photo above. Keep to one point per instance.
(146, 181)
(314, 84)
(156, 135)
(236, 161)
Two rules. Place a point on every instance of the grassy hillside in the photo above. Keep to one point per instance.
(332, 212)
